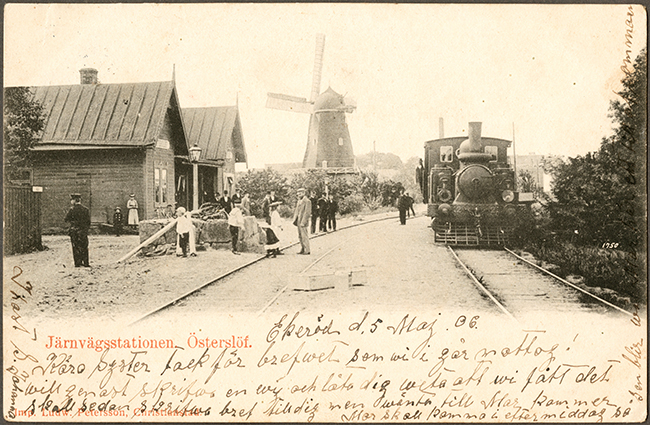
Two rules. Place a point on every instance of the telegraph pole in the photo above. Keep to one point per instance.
(374, 157)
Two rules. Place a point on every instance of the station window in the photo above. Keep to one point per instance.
(446, 153)
(156, 179)
(492, 150)
(163, 186)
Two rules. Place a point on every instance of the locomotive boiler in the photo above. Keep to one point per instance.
(470, 189)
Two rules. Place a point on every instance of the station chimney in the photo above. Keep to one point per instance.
(88, 75)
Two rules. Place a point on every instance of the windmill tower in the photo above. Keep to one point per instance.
(328, 139)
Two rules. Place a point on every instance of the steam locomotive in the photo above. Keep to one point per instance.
(470, 189)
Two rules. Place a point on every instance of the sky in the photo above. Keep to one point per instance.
(546, 73)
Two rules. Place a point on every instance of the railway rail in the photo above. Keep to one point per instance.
(499, 279)
(504, 280)
(241, 267)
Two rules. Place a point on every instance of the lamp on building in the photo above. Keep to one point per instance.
(195, 155)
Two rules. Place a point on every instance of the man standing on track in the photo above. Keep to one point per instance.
(301, 218)
(79, 219)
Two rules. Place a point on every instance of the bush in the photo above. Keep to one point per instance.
(257, 182)
(317, 180)
(285, 211)
(376, 193)
(604, 268)
(352, 204)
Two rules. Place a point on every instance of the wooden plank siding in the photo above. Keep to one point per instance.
(22, 224)
(106, 141)
(161, 159)
(104, 177)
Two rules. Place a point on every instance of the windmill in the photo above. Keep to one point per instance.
(328, 139)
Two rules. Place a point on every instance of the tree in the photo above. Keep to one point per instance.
(600, 196)
(257, 182)
(381, 160)
(317, 180)
(370, 189)
(624, 153)
(22, 126)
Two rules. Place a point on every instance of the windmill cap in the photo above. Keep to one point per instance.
(327, 100)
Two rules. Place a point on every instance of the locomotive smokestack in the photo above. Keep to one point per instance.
(474, 131)
(471, 149)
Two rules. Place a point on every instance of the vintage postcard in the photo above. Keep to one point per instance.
(322, 212)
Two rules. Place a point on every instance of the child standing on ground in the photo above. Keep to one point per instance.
(117, 221)
(236, 222)
(183, 227)
(272, 245)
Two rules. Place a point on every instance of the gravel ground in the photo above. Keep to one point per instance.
(401, 276)
(117, 293)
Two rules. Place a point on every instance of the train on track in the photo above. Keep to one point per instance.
(470, 189)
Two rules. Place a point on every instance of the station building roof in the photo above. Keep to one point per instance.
(214, 129)
(107, 115)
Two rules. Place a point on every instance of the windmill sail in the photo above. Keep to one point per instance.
(328, 139)
(318, 67)
(285, 102)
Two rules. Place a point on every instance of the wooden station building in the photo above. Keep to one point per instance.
(218, 132)
(107, 141)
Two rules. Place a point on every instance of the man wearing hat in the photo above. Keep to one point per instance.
(79, 219)
(301, 218)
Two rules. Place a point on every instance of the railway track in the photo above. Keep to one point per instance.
(506, 279)
(242, 267)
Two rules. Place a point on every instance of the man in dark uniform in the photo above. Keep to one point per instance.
(323, 213)
(226, 202)
(333, 208)
(314, 211)
(402, 206)
(420, 178)
(236, 197)
(79, 219)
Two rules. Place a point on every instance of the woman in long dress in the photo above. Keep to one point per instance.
(132, 205)
(272, 245)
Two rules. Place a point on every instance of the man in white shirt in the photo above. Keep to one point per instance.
(236, 222)
(301, 218)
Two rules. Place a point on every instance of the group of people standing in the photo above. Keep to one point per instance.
(311, 212)
(323, 211)
(133, 218)
(227, 202)
(405, 206)
(78, 218)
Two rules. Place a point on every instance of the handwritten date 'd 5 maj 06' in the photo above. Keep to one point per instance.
(320, 368)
